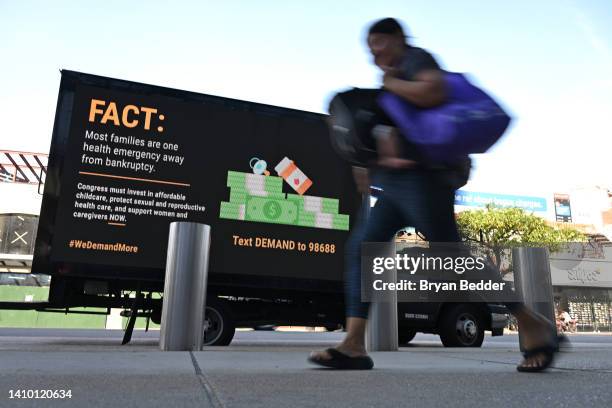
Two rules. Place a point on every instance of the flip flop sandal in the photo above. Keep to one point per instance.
(549, 355)
(341, 361)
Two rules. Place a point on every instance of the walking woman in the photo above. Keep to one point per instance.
(413, 194)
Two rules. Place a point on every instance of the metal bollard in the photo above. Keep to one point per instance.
(382, 330)
(182, 318)
(533, 282)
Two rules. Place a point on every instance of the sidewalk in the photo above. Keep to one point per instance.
(101, 373)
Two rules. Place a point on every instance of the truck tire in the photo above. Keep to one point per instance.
(461, 326)
(219, 323)
(405, 336)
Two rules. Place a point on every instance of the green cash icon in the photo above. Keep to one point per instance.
(315, 204)
(323, 220)
(254, 182)
(271, 210)
(239, 195)
(306, 223)
(260, 198)
(341, 222)
(232, 211)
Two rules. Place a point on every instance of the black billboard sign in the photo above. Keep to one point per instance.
(128, 159)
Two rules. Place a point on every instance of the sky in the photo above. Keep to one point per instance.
(548, 62)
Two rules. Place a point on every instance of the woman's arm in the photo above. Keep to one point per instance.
(426, 90)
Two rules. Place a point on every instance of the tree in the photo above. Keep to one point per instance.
(498, 229)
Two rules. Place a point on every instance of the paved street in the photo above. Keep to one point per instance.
(268, 369)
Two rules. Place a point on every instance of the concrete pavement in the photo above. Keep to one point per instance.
(269, 369)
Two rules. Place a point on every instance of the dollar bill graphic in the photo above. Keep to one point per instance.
(256, 184)
(271, 210)
(260, 198)
(315, 204)
(232, 211)
(324, 220)
(240, 196)
(341, 222)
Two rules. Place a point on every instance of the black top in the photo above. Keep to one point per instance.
(361, 112)
(416, 60)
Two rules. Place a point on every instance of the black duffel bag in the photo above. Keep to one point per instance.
(353, 115)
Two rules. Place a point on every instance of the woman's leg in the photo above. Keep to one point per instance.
(427, 204)
(432, 213)
(407, 200)
(384, 221)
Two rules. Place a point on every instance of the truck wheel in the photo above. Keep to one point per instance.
(219, 326)
(462, 326)
(405, 336)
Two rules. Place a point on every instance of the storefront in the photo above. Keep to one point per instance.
(582, 286)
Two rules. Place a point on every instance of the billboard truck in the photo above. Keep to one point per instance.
(127, 159)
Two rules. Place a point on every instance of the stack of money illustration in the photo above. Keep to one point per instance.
(258, 191)
(260, 198)
(319, 212)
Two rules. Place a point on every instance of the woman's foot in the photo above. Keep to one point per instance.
(350, 350)
(346, 355)
(539, 340)
(540, 358)
(334, 358)
(351, 353)
(536, 359)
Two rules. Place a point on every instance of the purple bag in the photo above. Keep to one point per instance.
(469, 122)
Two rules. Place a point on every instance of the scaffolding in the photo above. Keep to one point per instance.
(23, 167)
